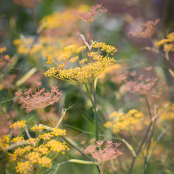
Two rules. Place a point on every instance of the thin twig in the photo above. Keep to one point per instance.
(148, 107)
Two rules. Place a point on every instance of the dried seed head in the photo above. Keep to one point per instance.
(147, 29)
(91, 15)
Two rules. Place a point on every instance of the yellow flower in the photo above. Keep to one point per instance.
(85, 70)
(46, 136)
(33, 157)
(50, 59)
(58, 132)
(168, 43)
(4, 141)
(19, 151)
(18, 124)
(23, 167)
(45, 162)
(37, 128)
(57, 146)
(31, 141)
(17, 139)
(121, 121)
(42, 149)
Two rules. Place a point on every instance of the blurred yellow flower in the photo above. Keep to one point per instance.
(122, 121)
(167, 43)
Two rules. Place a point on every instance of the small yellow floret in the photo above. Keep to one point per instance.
(18, 124)
(23, 167)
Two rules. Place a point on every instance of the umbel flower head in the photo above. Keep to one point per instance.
(91, 15)
(122, 121)
(105, 154)
(147, 29)
(40, 99)
(32, 153)
(149, 86)
(85, 70)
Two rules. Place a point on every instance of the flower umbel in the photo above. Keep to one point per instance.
(91, 15)
(40, 99)
(33, 153)
(101, 156)
(122, 121)
(147, 29)
(146, 86)
(84, 70)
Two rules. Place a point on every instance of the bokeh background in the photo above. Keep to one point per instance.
(58, 28)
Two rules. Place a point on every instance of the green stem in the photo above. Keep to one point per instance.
(47, 117)
(75, 147)
(90, 96)
(94, 109)
(63, 114)
(135, 141)
(68, 140)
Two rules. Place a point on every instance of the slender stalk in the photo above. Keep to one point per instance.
(162, 55)
(90, 36)
(148, 107)
(63, 114)
(38, 123)
(135, 141)
(149, 142)
(90, 96)
(142, 142)
(95, 111)
(94, 103)
(75, 147)
(139, 148)
(47, 118)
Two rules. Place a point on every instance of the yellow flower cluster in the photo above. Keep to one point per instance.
(37, 128)
(4, 141)
(57, 146)
(18, 124)
(168, 112)
(84, 70)
(46, 136)
(33, 153)
(57, 132)
(167, 43)
(17, 139)
(122, 121)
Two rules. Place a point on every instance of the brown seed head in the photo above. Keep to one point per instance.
(147, 29)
